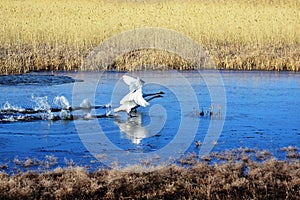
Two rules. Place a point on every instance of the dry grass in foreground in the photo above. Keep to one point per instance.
(238, 177)
(239, 34)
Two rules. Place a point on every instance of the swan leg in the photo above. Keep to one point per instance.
(134, 110)
(131, 116)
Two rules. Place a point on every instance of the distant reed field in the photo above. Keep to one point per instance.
(238, 34)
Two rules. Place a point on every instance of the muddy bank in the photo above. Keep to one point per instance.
(233, 176)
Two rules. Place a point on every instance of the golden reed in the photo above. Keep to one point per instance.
(238, 34)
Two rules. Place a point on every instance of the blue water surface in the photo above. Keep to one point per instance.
(261, 111)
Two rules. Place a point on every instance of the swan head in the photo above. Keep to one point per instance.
(161, 92)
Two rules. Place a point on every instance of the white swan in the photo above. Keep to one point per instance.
(135, 97)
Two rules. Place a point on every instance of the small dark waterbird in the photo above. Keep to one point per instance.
(202, 113)
(211, 112)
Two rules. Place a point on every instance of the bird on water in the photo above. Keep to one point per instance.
(135, 97)
(202, 112)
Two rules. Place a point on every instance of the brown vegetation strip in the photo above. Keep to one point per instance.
(233, 179)
(27, 58)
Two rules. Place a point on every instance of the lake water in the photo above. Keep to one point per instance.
(250, 109)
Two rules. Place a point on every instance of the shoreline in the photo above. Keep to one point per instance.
(234, 175)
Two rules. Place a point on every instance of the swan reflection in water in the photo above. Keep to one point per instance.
(134, 129)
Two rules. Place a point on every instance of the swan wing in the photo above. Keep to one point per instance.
(129, 80)
(127, 106)
(138, 98)
(133, 83)
(128, 97)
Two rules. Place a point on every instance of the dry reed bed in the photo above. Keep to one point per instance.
(57, 35)
(238, 177)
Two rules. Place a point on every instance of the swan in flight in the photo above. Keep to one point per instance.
(135, 97)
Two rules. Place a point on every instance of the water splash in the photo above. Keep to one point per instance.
(108, 109)
(108, 105)
(43, 110)
(9, 118)
(86, 108)
(65, 115)
(86, 104)
(87, 116)
(43, 105)
(62, 102)
(7, 106)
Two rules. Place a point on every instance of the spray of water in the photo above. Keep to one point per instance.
(7, 106)
(43, 105)
(62, 102)
(65, 115)
(42, 110)
(86, 108)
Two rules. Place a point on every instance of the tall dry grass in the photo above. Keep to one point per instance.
(57, 35)
(238, 177)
